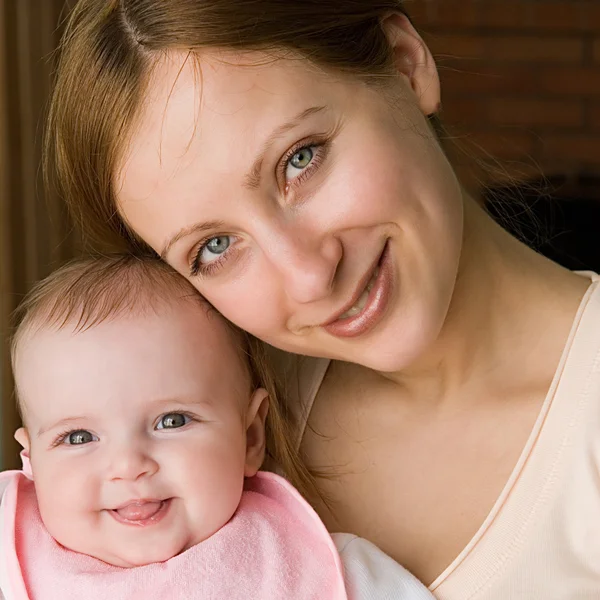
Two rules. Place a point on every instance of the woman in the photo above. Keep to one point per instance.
(283, 158)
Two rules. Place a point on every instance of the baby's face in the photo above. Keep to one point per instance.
(141, 432)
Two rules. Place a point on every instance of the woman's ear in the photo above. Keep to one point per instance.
(414, 60)
(255, 431)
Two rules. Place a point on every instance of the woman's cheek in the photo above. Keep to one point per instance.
(251, 302)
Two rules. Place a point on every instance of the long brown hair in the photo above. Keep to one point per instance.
(110, 47)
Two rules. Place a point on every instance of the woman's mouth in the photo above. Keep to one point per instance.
(362, 301)
(370, 306)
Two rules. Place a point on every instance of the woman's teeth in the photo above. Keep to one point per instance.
(362, 301)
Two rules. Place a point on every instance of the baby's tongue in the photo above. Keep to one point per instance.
(139, 511)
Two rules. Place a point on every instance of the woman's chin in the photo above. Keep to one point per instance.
(397, 347)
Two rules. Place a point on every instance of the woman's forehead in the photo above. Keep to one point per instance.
(210, 91)
(190, 100)
(216, 113)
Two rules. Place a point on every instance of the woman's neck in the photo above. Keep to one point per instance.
(508, 302)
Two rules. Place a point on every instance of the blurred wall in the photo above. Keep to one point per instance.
(4, 263)
(35, 234)
(520, 80)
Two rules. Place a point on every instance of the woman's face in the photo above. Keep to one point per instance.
(312, 210)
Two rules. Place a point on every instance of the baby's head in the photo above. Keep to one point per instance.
(141, 415)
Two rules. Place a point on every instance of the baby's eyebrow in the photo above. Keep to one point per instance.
(176, 402)
(67, 421)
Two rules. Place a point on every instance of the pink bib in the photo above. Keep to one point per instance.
(274, 548)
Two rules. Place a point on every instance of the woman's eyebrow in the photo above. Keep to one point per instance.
(252, 178)
(185, 231)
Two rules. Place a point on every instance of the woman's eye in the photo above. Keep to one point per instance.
(299, 161)
(79, 437)
(173, 421)
(213, 249)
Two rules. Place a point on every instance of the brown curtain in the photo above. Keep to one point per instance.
(35, 232)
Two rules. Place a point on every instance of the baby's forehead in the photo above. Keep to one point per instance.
(181, 320)
(169, 334)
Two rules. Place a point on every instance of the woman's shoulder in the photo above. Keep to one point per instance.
(576, 386)
(582, 351)
(588, 317)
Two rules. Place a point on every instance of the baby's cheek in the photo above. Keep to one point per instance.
(211, 469)
(56, 510)
(216, 456)
(63, 490)
(68, 506)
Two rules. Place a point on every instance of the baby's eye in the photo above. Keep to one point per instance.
(173, 421)
(79, 437)
(299, 161)
(214, 248)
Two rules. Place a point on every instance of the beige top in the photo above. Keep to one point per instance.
(541, 540)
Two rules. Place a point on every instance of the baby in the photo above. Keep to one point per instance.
(145, 426)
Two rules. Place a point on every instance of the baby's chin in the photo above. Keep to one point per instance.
(132, 547)
(129, 554)
(132, 557)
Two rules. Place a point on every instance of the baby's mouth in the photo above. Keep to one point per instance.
(141, 512)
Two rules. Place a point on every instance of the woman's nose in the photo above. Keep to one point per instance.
(131, 462)
(307, 265)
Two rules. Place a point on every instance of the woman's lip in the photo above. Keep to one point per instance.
(375, 306)
(360, 288)
(144, 522)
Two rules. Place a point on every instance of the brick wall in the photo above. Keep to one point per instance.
(520, 81)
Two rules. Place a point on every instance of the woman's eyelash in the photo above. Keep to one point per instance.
(321, 148)
(197, 268)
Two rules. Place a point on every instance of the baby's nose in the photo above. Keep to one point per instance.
(131, 463)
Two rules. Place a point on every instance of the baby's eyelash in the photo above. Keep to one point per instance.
(183, 413)
(61, 437)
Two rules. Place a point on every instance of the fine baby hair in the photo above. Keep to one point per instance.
(89, 291)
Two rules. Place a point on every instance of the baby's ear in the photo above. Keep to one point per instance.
(22, 436)
(255, 431)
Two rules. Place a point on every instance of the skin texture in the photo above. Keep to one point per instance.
(309, 245)
(431, 406)
(116, 381)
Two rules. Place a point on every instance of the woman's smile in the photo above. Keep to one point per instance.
(368, 307)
